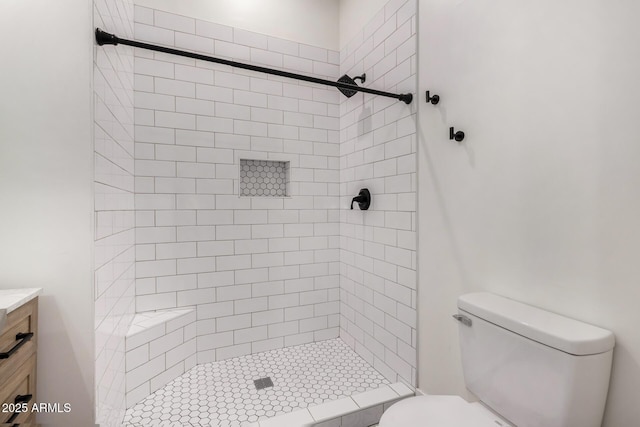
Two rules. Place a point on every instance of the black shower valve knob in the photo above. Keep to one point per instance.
(363, 199)
(458, 136)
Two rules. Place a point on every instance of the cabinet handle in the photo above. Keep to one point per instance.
(21, 398)
(23, 338)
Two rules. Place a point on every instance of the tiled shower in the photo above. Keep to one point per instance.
(262, 271)
(222, 201)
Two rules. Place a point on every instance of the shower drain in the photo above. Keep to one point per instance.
(263, 383)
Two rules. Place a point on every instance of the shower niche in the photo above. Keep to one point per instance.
(264, 178)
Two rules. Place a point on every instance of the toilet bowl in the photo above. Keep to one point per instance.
(440, 411)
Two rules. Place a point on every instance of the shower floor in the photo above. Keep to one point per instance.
(224, 394)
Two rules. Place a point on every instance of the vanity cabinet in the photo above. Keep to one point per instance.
(18, 350)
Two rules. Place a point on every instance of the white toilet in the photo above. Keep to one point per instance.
(528, 367)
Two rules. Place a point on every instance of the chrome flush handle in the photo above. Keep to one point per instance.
(462, 318)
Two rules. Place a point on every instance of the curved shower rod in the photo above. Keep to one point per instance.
(103, 38)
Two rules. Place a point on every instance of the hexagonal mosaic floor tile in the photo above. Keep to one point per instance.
(224, 394)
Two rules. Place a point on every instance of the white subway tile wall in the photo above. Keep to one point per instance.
(114, 208)
(378, 152)
(262, 272)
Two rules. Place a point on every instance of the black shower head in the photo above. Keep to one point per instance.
(350, 81)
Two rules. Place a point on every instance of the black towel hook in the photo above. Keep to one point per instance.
(433, 99)
(458, 136)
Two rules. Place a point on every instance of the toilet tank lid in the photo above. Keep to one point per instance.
(554, 330)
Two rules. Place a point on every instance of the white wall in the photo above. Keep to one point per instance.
(540, 202)
(313, 22)
(46, 189)
(355, 14)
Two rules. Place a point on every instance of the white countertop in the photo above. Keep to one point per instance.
(10, 299)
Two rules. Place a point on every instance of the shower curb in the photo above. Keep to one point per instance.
(359, 409)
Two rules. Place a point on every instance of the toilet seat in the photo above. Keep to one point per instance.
(439, 411)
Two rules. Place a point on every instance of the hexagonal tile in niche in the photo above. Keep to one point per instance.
(264, 178)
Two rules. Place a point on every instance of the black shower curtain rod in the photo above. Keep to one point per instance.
(103, 38)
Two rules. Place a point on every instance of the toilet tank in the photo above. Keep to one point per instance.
(533, 367)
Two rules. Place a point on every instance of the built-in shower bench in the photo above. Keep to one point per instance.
(159, 346)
